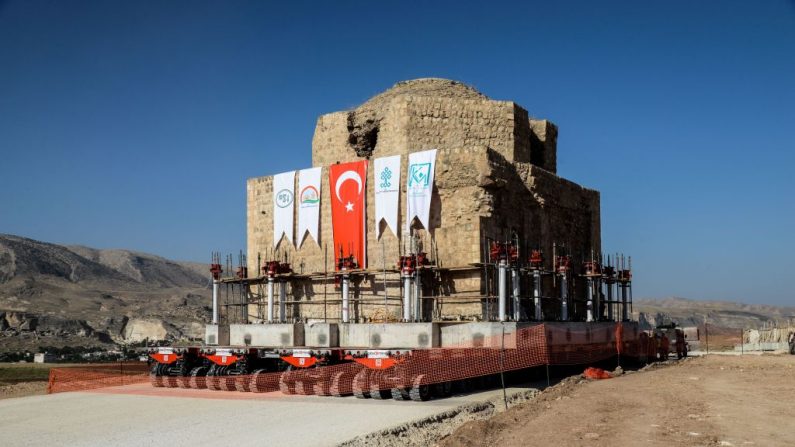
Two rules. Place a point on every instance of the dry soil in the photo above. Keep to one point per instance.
(709, 401)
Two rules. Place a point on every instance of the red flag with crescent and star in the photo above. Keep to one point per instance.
(347, 182)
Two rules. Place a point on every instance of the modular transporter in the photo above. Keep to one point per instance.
(412, 359)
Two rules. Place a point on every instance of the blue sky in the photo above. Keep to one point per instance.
(135, 124)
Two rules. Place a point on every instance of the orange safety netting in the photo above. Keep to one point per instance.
(536, 345)
(92, 376)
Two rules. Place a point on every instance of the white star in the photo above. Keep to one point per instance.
(349, 207)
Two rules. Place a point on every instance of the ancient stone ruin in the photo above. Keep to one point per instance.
(496, 177)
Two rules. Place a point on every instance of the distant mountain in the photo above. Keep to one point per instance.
(723, 314)
(55, 295)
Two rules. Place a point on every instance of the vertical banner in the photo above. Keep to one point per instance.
(419, 187)
(347, 182)
(283, 204)
(387, 193)
(308, 203)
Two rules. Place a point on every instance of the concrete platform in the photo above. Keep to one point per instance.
(215, 335)
(321, 335)
(272, 335)
(390, 335)
(485, 334)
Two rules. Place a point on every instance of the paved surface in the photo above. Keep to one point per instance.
(138, 415)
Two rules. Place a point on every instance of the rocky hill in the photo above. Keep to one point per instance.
(720, 314)
(54, 295)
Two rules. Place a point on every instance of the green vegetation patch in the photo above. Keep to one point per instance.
(11, 374)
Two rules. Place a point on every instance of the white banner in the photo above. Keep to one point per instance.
(387, 193)
(283, 205)
(419, 187)
(308, 203)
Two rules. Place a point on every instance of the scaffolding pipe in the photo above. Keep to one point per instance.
(609, 303)
(417, 296)
(215, 301)
(270, 301)
(539, 315)
(345, 297)
(589, 304)
(624, 309)
(516, 292)
(503, 292)
(283, 302)
(407, 298)
(564, 298)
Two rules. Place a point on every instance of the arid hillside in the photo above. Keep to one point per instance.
(53, 295)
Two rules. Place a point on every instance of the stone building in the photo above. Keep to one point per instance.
(496, 177)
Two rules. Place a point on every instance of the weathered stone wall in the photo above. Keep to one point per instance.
(495, 174)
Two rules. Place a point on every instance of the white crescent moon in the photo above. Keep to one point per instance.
(348, 175)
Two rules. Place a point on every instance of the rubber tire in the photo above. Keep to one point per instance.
(361, 384)
(400, 394)
(420, 393)
(197, 379)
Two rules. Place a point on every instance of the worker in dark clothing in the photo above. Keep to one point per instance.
(665, 347)
(791, 343)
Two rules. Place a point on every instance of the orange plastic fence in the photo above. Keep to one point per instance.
(542, 344)
(92, 376)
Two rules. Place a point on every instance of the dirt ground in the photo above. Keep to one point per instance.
(24, 379)
(708, 401)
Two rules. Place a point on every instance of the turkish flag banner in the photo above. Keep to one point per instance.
(347, 182)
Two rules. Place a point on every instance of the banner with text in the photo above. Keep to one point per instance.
(387, 193)
(308, 204)
(283, 203)
(419, 187)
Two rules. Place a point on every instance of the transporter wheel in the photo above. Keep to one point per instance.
(420, 392)
(215, 376)
(304, 387)
(183, 382)
(444, 389)
(156, 381)
(341, 383)
(228, 382)
(197, 379)
(400, 394)
(322, 388)
(154, 378)
(322, 384)
(463, 386)
(287, 381)
(168, 380)
(243, 383)
(378, 386)
(257, 383)
(361, 384)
